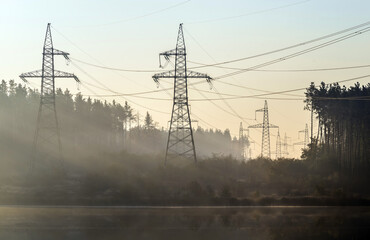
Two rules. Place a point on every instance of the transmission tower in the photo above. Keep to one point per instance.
(180, 136)
(47, 137)
(249, 150)
(278, 146)
(285, 145)
(265, 147)
(243, 141)
(306, 137)
(278, 152)
(311, 123)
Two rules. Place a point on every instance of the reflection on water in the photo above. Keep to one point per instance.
(185, 223)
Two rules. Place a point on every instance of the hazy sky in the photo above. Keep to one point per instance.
(131, 34)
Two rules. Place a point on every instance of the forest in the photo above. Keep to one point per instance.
(113, 158)
(95, 125)
(343, 129)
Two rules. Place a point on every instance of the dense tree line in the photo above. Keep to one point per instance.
(88, 126)
(344, 125)
(111, 159)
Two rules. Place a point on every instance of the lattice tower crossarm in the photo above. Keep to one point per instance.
(265, 146)
(47, 136)
(180, 136)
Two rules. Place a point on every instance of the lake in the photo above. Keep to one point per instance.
(179, 223)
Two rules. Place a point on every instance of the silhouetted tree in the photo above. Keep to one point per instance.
(344, 124)
(148, 122)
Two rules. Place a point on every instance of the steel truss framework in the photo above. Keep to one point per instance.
(47, 141)
(265, 147)
(243, 141)
(285, 146)
(180, 136)
(305, 142)
(278, 146)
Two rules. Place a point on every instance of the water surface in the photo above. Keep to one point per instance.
(184, 223)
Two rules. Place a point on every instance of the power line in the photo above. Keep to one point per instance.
(230, 61)
(216, 105)
(297, 53)
(109, 90)
(118, 94)
(232, 96)
(197, 83)
(285, 48)
(285, 91)
(255, 89)
(234, 113)
(248, 14)
(196, 99)
(213, 126)
(223, 75)
(90, 90)
(137, 17)
(280, 59)
(297, 70)
(165, 89)
(117, 69)
(200, 119)
(223, 67)
(210, 125)
(93, 58)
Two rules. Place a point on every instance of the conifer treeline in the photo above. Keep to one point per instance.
(88, 125)
(344, 123)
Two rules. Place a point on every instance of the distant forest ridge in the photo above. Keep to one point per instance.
(89, 125)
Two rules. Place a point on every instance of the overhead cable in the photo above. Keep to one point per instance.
(342, 38)
(248, 14)
(285, 48)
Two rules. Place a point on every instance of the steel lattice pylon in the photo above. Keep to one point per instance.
(278, 146)
(305, 142)
(243, 141)
(180, 136)
(265, 147)
(285, 145)
(47, 137)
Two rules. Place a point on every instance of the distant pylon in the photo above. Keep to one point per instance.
(311, 123)
(243, 141)
(278, 146)
(285, 146)
(180, 136)
(265, 147)
(306, 137)
(47, 137)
